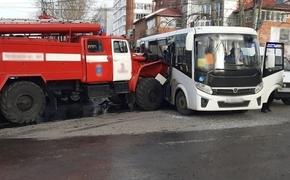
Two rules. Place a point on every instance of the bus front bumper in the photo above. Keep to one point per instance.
(206, 102)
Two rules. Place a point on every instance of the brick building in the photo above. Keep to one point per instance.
(160, 21)
(271, 19)
(208, 12)
(160, 4)
(128, 11)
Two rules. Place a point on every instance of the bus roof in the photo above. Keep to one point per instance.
(204, 30)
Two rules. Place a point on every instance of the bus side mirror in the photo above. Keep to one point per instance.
(189, 41)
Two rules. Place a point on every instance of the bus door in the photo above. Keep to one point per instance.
(273, 68)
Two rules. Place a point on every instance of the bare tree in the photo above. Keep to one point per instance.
(66, 9)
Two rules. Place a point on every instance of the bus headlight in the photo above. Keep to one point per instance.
(204, 88)
(259, 88)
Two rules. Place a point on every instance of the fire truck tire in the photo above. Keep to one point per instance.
(22, 102)
(149, 94)
(181, 104)
(286, 101)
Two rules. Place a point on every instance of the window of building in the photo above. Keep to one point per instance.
(268, 15)
(272, 16)
(285, 36)
(206, 9)
(143, 6)
(140, 16)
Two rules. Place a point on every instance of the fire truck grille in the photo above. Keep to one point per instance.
(233, 92)
(121, 87)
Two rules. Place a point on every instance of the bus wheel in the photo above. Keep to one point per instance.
(181, 104)
(149, 94)
(286, 101)
(22, 102)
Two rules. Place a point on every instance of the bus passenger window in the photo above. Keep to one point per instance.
(183, 58)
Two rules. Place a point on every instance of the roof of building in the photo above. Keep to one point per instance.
(267, 4)
(167, 12)
(170, 12)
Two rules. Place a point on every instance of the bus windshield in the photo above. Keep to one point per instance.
(226, 52)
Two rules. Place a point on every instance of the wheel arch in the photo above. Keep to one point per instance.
(9, 79)
(179, 88)
(267, 93)
(147, 70)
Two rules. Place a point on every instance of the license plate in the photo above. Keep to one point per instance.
(234, 100)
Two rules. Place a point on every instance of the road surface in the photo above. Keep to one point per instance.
(151, 145)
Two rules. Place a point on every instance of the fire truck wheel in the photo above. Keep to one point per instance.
(181, 104)
(22, 102)
(286, 101)
(149, 94)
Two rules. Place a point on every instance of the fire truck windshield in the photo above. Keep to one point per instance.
(226, 52)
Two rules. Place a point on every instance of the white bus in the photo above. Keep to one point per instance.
(215, 68)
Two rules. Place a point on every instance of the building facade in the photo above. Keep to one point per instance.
(208, 12)
(126, 12)
(104, 17)
(271, 19)
(160, 21)
(160, 4)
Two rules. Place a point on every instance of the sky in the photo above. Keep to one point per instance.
(27, 9)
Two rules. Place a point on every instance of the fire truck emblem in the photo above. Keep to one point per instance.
(99, 70)
(122, 69)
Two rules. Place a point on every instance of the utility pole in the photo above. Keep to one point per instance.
(242, 12)
(213, 12)
(254, 20)
(43, 6)
(259, 14)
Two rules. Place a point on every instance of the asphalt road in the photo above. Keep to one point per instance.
(151, 145)
(239, 153)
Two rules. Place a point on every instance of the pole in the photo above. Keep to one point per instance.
(259, 14)
(254, 14)
(213, 12)
(242, 12)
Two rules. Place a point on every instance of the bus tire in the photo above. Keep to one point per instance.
(286, 101)
(22, 102)
(181, 104)
(149, 94)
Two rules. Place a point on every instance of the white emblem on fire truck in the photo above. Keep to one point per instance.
(122, 69)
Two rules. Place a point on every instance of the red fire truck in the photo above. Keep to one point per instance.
(42, 63)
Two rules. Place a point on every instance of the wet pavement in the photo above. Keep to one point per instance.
(68, 112)
(239, 153)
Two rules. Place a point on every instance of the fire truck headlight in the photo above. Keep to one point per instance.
(259, 87)
(204, 88)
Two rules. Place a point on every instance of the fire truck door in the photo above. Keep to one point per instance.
(122, 64)
(99, 66)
